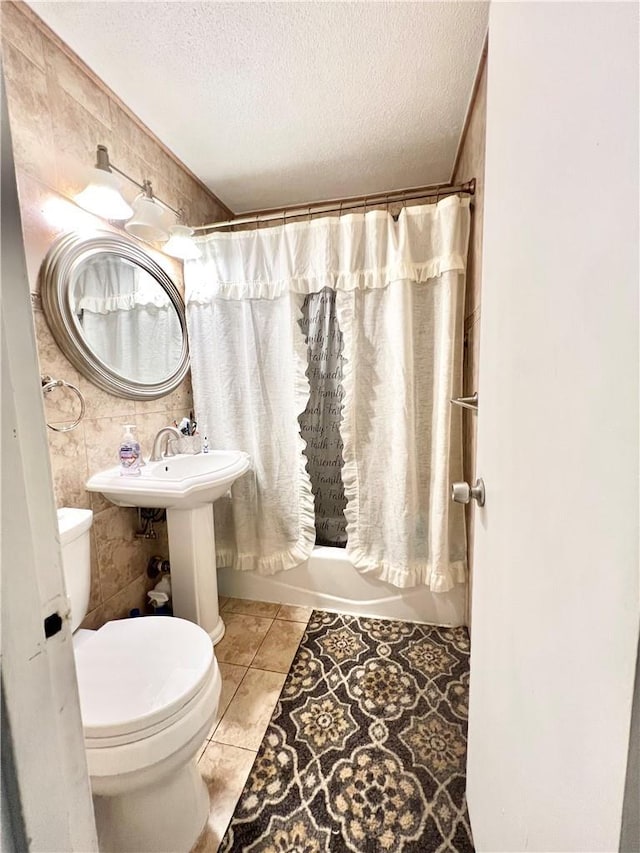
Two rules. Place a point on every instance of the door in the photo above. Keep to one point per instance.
(46, 798)
(555, 606)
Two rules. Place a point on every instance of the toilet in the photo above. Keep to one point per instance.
(149, 691)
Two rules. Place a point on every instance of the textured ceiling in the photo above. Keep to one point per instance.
(277, 103)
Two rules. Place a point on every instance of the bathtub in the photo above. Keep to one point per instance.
(328, 581)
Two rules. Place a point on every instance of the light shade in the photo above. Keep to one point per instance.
(180, 244)
(147, 221)
(103, 197)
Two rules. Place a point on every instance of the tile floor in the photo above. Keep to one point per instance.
(254, 656)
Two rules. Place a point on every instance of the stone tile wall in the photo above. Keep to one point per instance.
(471, 165)
(59, 112)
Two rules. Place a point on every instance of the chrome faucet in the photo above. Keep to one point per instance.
(161, 435)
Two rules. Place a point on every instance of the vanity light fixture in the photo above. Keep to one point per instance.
(103, 198)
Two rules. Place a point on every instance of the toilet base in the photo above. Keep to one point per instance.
(166, 817)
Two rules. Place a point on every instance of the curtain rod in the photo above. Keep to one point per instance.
(340, 206)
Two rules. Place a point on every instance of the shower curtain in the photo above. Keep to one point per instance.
(399, 290)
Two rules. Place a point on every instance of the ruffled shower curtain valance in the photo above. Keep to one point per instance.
(399, 291)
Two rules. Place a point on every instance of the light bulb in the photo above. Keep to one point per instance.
(147, 221)
(103, 197)
(180, 243)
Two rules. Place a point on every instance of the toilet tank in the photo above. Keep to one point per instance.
(74, 526)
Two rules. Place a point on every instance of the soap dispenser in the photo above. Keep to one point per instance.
(129, 453)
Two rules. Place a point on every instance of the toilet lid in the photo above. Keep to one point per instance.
(134, 673)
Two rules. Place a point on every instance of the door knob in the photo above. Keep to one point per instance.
(462, 493)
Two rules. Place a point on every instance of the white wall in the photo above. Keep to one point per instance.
(555, 610)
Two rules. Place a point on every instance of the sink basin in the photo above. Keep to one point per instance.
(181, 482)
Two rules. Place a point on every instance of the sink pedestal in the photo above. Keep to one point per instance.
(194, 578)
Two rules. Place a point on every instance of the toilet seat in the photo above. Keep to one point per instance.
(137, 677)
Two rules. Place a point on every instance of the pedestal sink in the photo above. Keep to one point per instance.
(186, 486)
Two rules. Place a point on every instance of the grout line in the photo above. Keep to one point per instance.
(260, 644)
(265, 669)
(289, 621)
(210, 738)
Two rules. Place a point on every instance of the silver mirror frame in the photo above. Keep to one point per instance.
(56, 275)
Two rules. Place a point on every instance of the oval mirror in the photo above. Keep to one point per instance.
(115, 314)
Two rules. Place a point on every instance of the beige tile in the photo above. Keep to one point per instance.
(131, 135)
(131, 596)
(279, 647)
(231, 677)
(76, 133)
(95, 594)
(294, 613)
(60, 404)
(69, 467)
(191, 210)
(101, 404)
(247, 717)
(103, 437)
(21, 32)
(119, 553)
(179, 399)
(94, 619)
(242, 638)
(182, 180)
(38, 226)
(98, 502)
(222, 600)
(251, 608)
(163, 189)
(225, 770)
(148, 425)
(29, 115)
(76, 83)
(204, 209)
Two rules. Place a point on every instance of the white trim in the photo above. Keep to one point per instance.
(38, 675)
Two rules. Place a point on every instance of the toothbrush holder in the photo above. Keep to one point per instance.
(186, 444)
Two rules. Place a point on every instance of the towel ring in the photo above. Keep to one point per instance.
(48, 384)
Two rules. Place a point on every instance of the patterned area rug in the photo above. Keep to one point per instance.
(366, 748)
